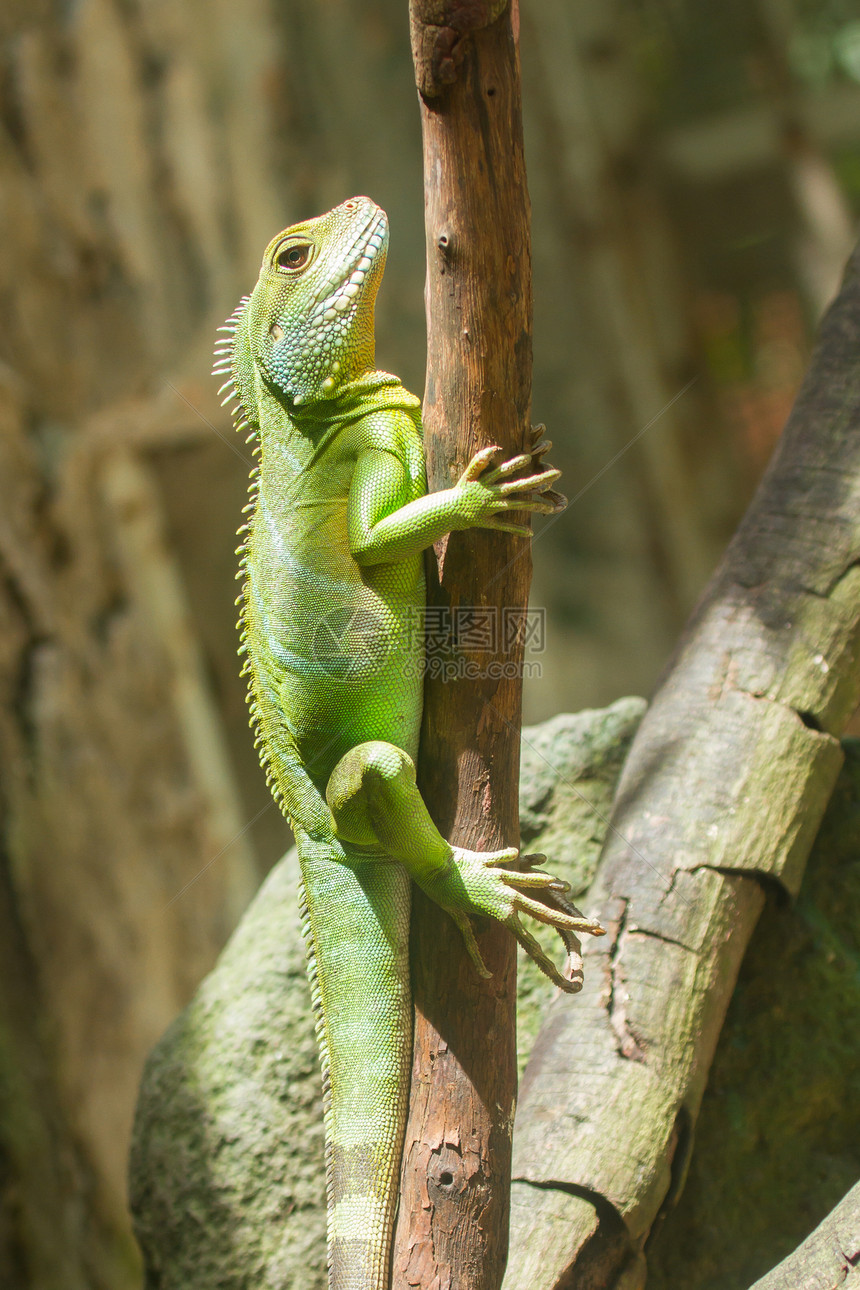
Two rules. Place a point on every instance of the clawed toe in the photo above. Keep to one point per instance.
(492, 859)
(549, 905)
(557, 912)
(479, 884)
(514, 878)
(468, 933)
(572, 978)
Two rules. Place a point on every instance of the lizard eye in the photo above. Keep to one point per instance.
(293, 257)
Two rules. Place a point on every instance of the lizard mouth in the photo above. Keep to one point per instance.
(368, 246)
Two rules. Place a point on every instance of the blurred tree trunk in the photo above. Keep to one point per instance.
(826, 235)
(116, 794)
(119, 221)
(613, 318)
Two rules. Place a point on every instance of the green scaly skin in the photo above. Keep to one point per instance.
(332, 605)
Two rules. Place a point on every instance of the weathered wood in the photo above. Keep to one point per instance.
(773, 1156)
(452, 1227)
(723, 791)
(828, 1258)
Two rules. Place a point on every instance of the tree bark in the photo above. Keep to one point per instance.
(453, 1220)
(723, 792)
(828, 1258)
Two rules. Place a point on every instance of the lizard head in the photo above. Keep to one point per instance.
(308, 324)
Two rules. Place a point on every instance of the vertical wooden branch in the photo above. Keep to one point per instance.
(453, 1223)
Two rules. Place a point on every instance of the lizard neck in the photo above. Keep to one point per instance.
(293, 431)
(292, 440)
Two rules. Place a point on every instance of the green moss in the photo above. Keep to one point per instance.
(227, 1164)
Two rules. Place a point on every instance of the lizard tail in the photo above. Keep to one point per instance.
(356, 926)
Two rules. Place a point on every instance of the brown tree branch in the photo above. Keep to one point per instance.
(453, 1221)
(722, 794)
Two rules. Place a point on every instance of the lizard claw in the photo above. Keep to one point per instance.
(571, 978)
(479, 463)
(531, 860)
(539, 448)
(468, 933)
(559, 501)
(526, 876)
(476, 883)
(491, 486)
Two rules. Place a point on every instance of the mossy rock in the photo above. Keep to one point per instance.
(227, 1176)
(568, 771)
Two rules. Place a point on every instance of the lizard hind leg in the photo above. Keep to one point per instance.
(374, 799)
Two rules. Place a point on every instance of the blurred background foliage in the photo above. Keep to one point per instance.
(695, 180)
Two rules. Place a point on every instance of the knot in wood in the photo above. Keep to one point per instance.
(445, 244)
(446, 1174)
(439, 32)
(462, 15)
(446, 52)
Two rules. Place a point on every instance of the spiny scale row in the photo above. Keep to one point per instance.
(319, 1027)
(224, 355)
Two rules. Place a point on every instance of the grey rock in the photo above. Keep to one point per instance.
(227, 1170)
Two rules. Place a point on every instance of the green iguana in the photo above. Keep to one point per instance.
(332, 603)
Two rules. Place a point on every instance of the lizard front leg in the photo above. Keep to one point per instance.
(383, 530)
(374, 798)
